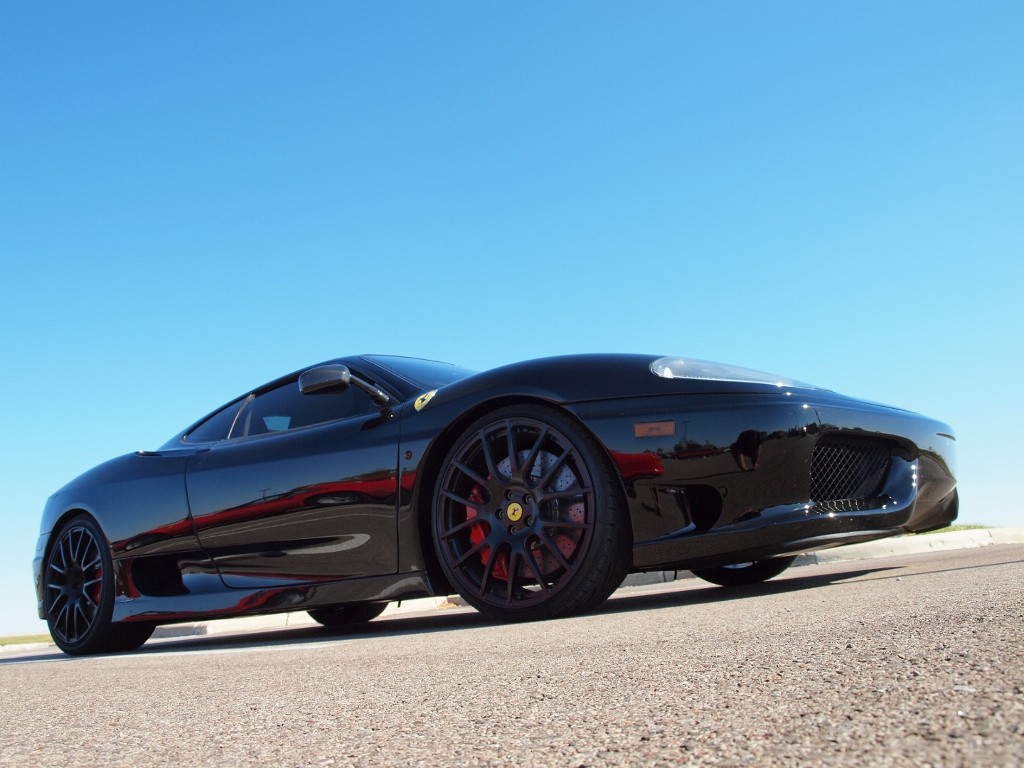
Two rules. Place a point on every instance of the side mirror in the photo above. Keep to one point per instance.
(324, 377)
(338, 377)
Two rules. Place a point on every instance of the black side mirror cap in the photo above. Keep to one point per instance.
(335, 376)
(324, 377)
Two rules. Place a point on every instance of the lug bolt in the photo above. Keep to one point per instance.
(529, 521)
(528, 499)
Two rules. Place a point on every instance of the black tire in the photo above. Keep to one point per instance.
(78, 594)
(528, 518)
(347, 615)
(743, 574)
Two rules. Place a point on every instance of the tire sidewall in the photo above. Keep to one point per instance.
(591, 455)
(100, 629)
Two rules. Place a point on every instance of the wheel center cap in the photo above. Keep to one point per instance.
(514, 512)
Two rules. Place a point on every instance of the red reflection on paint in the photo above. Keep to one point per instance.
(633, 466)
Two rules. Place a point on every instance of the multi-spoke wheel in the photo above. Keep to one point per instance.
(741, 574)
(347, 615)
(528, 521)
(79, 593)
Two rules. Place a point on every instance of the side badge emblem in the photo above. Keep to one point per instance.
(423, 399)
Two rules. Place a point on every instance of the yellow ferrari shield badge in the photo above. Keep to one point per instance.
(424, 399)
(514, 512)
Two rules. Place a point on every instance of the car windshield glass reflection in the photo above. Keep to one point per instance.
(428, 374)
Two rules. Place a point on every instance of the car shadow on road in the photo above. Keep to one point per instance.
(661, 596)
(444, 620)
(302, 635)
(697, 592)
(667, 595)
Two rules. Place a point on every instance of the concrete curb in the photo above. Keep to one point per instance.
(26, 647)
(298, 619)
(897, 545)
(912, 545)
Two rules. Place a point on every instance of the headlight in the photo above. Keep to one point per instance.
(688, 368)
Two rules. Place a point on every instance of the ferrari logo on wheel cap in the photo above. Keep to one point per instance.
(514, 512)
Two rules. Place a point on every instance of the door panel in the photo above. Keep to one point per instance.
(311, 504)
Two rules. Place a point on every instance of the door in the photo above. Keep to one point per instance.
(303, 489)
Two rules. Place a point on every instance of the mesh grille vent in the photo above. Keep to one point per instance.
(847, 468)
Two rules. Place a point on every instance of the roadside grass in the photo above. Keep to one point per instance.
(24, 639)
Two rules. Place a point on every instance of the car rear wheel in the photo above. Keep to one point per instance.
(528, 520)
(742, 574)
(78, 596)
(347, 615)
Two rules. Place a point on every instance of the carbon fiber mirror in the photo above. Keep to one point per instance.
(334, 376)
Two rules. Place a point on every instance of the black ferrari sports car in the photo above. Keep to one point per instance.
(531, 490)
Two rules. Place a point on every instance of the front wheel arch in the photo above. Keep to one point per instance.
(571, 543)
(427, 475)
(77, 588)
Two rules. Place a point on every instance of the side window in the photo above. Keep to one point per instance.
(286, 408)
(216, 427)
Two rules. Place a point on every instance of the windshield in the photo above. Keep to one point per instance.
(428, 374)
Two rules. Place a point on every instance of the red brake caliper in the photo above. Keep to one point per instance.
(546, 562)
(478, 533)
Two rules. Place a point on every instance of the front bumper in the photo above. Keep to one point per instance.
(790, 529)
(731, 481)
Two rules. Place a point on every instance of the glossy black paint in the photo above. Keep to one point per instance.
(339, 512)
(750, 454)
(328, 491)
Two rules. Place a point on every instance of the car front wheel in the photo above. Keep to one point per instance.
(78, 577)
(528, 520)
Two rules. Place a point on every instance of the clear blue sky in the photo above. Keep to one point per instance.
(195, 198)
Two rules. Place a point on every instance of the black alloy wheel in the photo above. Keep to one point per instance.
(347, 615)
(78, 594)
(743, 574)
(528, 519)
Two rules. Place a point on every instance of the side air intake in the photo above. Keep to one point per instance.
(849, 470)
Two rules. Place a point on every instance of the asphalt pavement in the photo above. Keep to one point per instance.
(902, 660)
